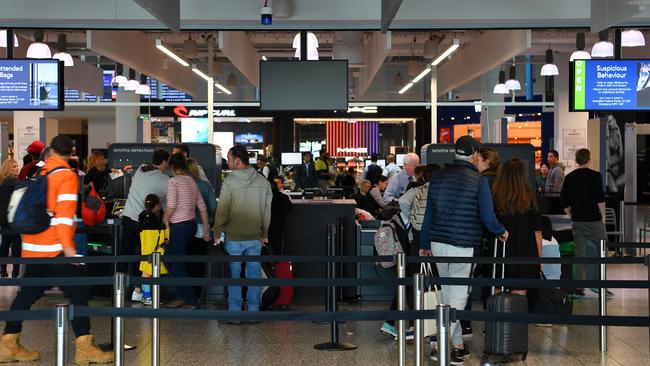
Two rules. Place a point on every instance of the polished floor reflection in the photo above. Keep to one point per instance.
(283, 343)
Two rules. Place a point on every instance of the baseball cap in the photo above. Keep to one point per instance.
(466, 146)
(35, 148)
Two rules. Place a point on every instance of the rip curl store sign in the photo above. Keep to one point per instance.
(184, 112)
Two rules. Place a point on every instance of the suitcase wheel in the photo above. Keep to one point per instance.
(524, 355)
(505, 359)
(485, 357)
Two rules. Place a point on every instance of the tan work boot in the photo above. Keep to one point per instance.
(11, 350)
(88, 353)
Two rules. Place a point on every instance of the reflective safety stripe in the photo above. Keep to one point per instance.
(43, 248)
(66, 197)
(61, 220)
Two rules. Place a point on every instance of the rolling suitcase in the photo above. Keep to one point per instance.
(501, 338)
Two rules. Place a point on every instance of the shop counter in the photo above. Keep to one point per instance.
(304, 234)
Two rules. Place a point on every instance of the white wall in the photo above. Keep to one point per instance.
(101, 131)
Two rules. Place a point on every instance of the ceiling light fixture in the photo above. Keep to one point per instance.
(603, 48)
(264, 58)
(631, 38)
(232, 80)
(132, 84)
(3, 39)
(190, 48)
(38, 49)
(143, 88)
(430, 47)
(452, 48)
(405, 88)
(580, 53)
(216, 66)
(222, 88)
(500, 88)
(201, 74)
(312, 46)
(119, 79)
(170, 53)
(549, 69)
(421, 75)
(61, 45)
(513, 84)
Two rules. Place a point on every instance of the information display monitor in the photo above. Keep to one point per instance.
(30, 84)
(610, 85)
(291, 158)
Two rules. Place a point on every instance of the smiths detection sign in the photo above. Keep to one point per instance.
(183, 112)
(611, 85)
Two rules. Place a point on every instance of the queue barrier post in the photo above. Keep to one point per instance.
(332, 303)
(602, 297)
(418, 303)
(61, 323)
(118, 322)
(444, 334)
(647, 265)
(401, 306)
(155, 322)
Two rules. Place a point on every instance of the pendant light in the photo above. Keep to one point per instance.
(412, 66)
(119, 79)
(580, 53)
(3, 39)
(190, 49)
(549, 69)
(232, 80)
(630, 38)
(62, 55)
(132, 84)
(398, 80)
(216, 66)
(603, 48)
(430, 48)
(500, 88)
(512, 83)
(38, 49)
(143, 88)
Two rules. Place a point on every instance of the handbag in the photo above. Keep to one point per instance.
(432, 298)
(550, 300)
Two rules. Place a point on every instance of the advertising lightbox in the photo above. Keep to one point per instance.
(31, 85)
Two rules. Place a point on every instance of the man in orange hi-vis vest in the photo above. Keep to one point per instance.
(57, 240)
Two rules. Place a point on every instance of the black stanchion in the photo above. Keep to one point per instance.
(331, 298)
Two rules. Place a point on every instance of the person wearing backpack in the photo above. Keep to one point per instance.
(55, 241)
(8, 180)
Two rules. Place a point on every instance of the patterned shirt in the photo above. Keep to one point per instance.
(183, 196)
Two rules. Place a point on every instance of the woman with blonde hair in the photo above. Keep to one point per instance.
(8, 180)
(97, 173)
(516, 208)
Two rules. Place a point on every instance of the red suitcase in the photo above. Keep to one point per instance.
(284, 271)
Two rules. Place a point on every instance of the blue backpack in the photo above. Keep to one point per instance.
(27, 210)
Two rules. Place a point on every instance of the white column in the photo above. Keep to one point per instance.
(565, 120)
(126, 117)
(26, 130)
(210, 110)
(434, 105)
(101, 132)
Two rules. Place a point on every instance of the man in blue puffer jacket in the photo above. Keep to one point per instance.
(459, 205)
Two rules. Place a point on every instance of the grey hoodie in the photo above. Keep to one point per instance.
(244, 209)
(147, 180)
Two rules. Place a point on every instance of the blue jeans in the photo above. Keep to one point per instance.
(253, 270)
(180, 236)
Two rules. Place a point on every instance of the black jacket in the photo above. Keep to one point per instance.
(306, 177)
(6, 189)
(281, 206)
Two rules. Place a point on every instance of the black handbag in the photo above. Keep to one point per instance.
(549, 300)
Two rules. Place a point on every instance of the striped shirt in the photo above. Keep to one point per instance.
(183, 196)
(62, 194)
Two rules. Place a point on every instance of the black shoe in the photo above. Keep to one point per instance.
(230, 322)
(460, 353)
(175, 304)
(467, 332)
(453, 359)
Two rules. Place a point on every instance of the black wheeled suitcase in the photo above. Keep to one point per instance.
(501, 338)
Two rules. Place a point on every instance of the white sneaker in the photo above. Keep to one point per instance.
(136, 296)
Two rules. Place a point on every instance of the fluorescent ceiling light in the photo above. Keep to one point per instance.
(65, 57)
(3, 39)
(421, 75)
(405, 88)
(264, 58)
(222, 88)
(171, 54)
(201, 74)
(629, 38)
(603, 48)
(454, 46)
(580, 55)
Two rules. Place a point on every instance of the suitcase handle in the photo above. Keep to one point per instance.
(494, 266)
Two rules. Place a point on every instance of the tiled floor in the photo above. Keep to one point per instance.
(209, 343)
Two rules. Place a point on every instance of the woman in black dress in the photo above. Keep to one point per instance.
(517, 210)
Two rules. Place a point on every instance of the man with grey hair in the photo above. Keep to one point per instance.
(459, 205)
(398, 182)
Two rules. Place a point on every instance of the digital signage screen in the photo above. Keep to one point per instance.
(31, 85)
(194, 129)
(610, 85)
